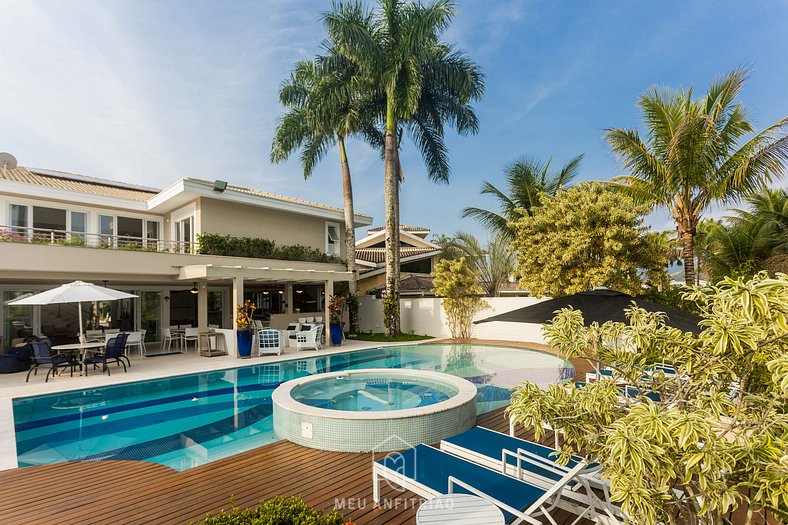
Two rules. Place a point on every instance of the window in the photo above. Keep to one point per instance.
(332, 239)
(129, 232)
(19, 218)
(49, 223)
(78, 227)
(79, 224)
(307, 298)
(107, 230)
(152, 234)
(184, 234)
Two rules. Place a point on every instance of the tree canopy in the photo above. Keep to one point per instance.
(585, 237)
(456, 282)
(689, 446)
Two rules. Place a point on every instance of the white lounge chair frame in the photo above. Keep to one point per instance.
(542, 507)
(574, 500)
(310, 338)
(269, 342)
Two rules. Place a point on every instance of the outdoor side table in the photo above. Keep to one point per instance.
(204, 344)
(458, 509)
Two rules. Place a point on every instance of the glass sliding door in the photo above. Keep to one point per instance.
(18, 320)
(150, 316)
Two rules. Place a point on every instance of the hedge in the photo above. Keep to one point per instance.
(277, 511)
(217, 244)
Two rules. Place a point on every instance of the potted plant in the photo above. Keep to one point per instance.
(336, 305)
(243, 327)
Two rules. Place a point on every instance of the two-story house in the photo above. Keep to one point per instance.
(58, 227)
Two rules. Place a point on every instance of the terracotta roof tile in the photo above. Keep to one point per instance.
(403, 227)
(67, 181)
(275, 196)
(378, 255)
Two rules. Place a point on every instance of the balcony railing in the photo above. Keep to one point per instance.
(27, 235)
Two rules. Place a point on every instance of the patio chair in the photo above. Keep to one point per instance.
(430, 472)
(91, 336)
(191, 334)
(310, 320)
(535, 464)
(135, 340)
(42, 356)
(302, 320)
(319, 320)
(112, 352)
(169, 337)
(290, 332)
(268, 342)
(311, 338)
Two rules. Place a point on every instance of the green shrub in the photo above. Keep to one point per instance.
(277, 511)
(255, 247)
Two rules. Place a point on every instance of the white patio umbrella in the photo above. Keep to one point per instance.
(77, 292)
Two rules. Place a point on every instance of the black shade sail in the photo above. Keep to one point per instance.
(597, 305)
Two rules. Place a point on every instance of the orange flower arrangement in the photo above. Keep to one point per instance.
(245, 311)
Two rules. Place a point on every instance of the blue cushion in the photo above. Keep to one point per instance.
(492, 444)
(432, 468)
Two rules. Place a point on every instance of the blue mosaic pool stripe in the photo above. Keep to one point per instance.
(198, 435)
(99, 427)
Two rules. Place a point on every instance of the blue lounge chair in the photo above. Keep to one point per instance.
(429, 472)
(627, 391)
(535, 464)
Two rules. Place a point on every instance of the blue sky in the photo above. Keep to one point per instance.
(151, 91)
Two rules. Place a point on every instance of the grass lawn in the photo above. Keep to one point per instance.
(381, 338)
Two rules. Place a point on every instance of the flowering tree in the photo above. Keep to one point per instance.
(584, 237)
(688, 446)
(456, 282)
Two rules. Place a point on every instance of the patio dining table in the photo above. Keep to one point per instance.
(81, 348)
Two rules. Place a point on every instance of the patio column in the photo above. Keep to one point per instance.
(202, 306)
(238, 298)
(289, 298)
(329, 292)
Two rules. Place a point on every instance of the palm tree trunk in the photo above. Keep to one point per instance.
(688, 255)
(391, 190)
(350, 231)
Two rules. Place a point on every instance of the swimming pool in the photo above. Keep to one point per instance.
(185, 421)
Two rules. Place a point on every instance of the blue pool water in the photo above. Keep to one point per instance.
(359, 393)
(189, 420)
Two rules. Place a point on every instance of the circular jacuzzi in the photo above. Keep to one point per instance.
(374, 410)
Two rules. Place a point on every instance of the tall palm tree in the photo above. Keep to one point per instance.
(694, 154)
(425, 83)
(494, 263)
(525, 179)
(322, 110)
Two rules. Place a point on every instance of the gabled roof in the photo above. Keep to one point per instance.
(378, 255)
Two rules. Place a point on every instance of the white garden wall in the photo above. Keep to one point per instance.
(425, 316)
